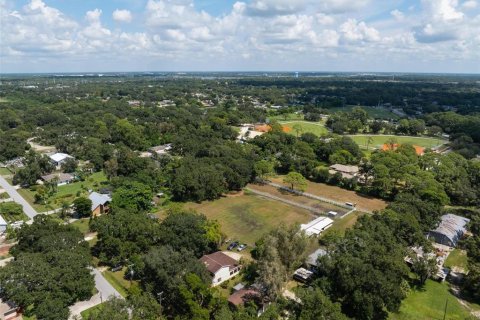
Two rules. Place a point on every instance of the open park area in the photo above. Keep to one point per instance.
(379, 140)
(299, 127)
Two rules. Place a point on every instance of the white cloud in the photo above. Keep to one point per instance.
(358, 31)
(259, 34)
(341, 6)
(122, 15)
(470, 4)
(397, 14)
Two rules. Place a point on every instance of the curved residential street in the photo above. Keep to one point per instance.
(27, 208)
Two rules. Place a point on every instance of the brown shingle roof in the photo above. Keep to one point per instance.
(218, 260)
(243, 295)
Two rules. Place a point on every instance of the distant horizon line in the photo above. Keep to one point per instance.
(238, 71)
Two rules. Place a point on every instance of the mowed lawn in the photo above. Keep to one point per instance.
(374, 112)
(364, 203)
(457, 258)
(428, 303)
(247, 217)
(380, 140)
(317, 128)
(5, 172)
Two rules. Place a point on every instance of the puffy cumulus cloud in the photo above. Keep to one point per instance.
(341, 6)
(353, 31)
(36, 30)
(275, 7)
(444, 20)
(122, 15)
(397, 14)
(443, 10)
(470, 4)
(254, 34)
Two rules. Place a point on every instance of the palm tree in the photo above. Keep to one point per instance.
(369, 140)
(297, 127)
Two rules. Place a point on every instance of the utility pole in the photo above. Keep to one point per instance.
(159, 295)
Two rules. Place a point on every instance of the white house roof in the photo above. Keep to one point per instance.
(452, 227)
(315, 227)
(58, 157)
(99, 199)
(312, 259)
(2, 221)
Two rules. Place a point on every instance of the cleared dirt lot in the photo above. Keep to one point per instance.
(364, 203)
(317, 204)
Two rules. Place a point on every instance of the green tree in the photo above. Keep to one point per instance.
(317, 306)
(53, 261)
(70, 165)
(133, 196)
(424, 267)
(297, 127)
(82, 206)
(263, 169)
(296, 181)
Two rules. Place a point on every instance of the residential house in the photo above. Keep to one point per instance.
(59, 158)
(240, 297)
(161, 150)
(221, 266)
(450, 230)
(100, 203)
(312, 260)
(347, 172)
(61, 178)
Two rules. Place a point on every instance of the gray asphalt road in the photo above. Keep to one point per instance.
(105, 291)
(27, 208)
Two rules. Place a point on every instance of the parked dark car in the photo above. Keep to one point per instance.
(233, 245)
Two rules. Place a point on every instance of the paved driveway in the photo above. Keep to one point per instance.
(105, 290)
(27, 208)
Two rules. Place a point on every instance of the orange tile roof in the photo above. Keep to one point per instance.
(419, 150)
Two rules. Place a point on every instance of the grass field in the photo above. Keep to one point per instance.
(82, 225)
(364, 203)
(379, 140)
(428, 303)
(457, 258)
(381, 113)
(287, 117)
(118, 282)
(5, 172)
(66, 193)
(246, 217)
(317, 128)
(86, 313)
(345, 223)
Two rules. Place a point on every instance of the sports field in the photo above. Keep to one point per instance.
(317, 128)
(379, 140)
(245, 217)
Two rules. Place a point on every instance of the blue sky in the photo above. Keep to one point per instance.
(224, 35)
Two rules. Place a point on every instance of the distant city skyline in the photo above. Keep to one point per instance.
(429, 36)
